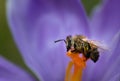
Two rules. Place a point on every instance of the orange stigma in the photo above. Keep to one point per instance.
(79, 63)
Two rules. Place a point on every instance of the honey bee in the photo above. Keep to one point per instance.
(80, 44)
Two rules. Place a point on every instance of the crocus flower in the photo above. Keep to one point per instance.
(35, 24)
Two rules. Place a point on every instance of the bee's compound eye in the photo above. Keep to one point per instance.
(69, 37)
(68, 42)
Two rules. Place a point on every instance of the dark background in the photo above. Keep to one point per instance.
(8, 48)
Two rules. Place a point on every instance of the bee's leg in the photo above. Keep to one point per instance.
(73, 51)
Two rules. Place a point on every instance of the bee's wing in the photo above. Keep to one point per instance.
(100, 45)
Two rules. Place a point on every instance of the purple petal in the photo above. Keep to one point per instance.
(115, 77)
(105, 22)
(10, 72)
(113, 63)
(36, 24)
(108, 65)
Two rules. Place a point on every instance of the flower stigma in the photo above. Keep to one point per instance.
(78, 63)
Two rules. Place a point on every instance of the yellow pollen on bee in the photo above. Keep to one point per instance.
(78, 63)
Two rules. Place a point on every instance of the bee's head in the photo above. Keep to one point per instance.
(67, 42)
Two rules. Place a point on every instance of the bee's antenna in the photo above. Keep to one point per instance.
(60, 40)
